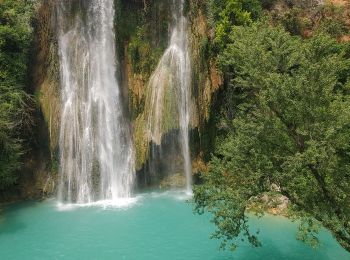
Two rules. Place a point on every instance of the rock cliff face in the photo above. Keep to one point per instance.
(142, 30)
(142, 36)
(207, 78)
(141, 50)
(46, 72)
(45, 75)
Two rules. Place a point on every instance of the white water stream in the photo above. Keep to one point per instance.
(96, 154)
(170, 89)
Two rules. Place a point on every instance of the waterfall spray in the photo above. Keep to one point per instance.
(96, 154)
(172, 78)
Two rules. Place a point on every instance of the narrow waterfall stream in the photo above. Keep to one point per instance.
(169, 97)
(96, 154)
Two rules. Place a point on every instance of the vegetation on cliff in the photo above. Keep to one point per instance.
(15, 103)
(283, 121)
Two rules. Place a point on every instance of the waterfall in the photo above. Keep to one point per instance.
(96, 154)
(169, 99)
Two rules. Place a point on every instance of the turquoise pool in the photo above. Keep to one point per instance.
(151, 226)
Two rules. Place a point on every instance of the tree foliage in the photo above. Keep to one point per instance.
(227, 13)
(15, 42)
(287, 122)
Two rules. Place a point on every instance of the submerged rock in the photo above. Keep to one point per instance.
(174, 181)
(272, 203)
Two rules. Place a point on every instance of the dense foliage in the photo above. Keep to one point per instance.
(15, 43)
(285, 122)
(225, 14)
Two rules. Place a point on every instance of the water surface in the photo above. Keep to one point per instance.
(154, 226)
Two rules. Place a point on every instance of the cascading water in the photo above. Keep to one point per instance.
(169, 98)
(96, 154)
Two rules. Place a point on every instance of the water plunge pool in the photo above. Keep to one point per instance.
(151, 226)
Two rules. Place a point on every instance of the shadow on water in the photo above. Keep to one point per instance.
(9, 220)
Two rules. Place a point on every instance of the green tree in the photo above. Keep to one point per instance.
(15, 108)
(287, 122)
(227, 13)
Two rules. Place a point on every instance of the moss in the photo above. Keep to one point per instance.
(46, 73)
(140, 142)
(143, 57)
(136, 25)
(204, 50)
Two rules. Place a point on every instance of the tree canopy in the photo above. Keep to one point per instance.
(286, 121)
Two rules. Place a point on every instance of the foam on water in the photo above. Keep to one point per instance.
(126, 203)
(122, 203)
